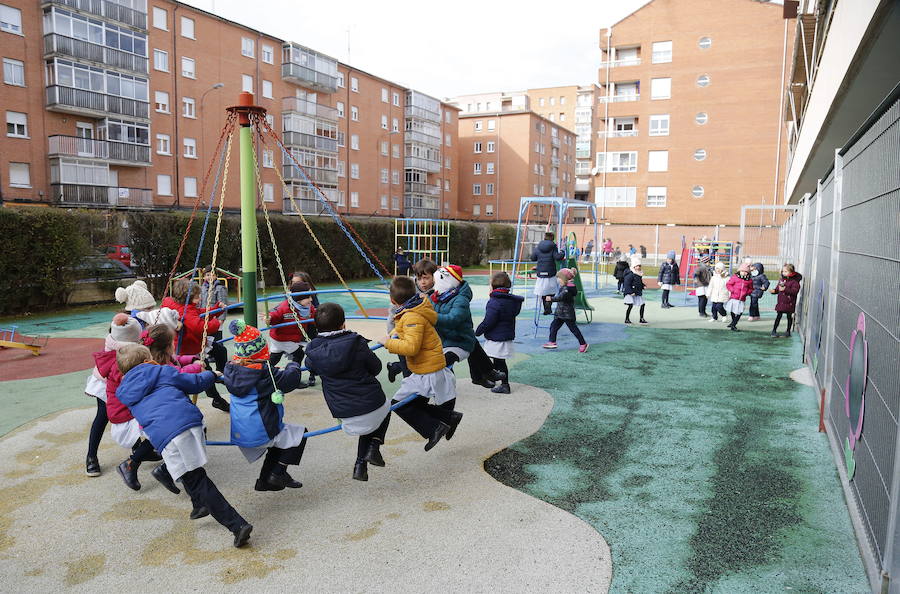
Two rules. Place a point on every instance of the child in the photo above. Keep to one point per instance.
(141, 305)
(669, 276)
(760, 286)
(633, 289)
(787, 290)
(350, 386)
(257, 414)
(739, 286)
(418, 341)
(402, 262)
(620, 271)
(718, 292)
(424, 271)
(188, 341)
(565, 309)
(702, 276)
(546, 255)
(213, 291)
(304, 277)
(122, 330)
(290, 339)
(157, 397)
(499, 326)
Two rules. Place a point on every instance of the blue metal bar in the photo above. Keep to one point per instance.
(237, 304)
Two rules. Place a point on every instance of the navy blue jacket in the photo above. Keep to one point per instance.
(499, 323)
(621, 270)
(565, 302)
(760, 281)
(157, 397)
(632, 284)
(255, 419)
(546, 254)
(669, 274)
(348, 369)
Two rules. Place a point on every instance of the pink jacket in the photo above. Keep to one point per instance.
(739, 288)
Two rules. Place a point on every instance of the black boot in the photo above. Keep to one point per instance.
(161, 473)
(440, 432)
(92, 466)
(199, 512)
(128, 471)
(281, 479)
(455, 418)
(242, 535)
(360, 471)
(373, 454)
(394, 369)
(221, 404)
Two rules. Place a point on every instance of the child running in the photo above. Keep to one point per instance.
(787, 290)
(739, 286)
(257, 414)
(418, 341)
(290, 339)
(157, 396)
(633, 288)
(718, 292)
(350, 385)
(565, 309)
(499, 326)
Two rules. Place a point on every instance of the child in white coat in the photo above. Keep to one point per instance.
(718, 292)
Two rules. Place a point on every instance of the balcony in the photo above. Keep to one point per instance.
(582, 185)
(119, 153)
(93, 104)
(422, 188)
(554, 141)
(422, 137)
(623, 62)
(312, 141)
(317, 110)
(317, 175)
(60, 45)
(110, 10)
(101, 196)
(421, 208)
(619, 98)
(421, 113)
(422, 164)
(554, 181)
(308, 68)
(554, 161)
(582, 153)
(304, 205)
(617, 133)
(309, 78)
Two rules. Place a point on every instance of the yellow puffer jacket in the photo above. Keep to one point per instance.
(417, 340)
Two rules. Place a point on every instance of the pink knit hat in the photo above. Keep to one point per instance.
(744, 267)
(567, 273)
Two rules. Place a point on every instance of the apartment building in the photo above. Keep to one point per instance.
(511, 153)
(122, 102)
(688, 125)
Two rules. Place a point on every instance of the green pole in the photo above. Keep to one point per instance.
(248, 225)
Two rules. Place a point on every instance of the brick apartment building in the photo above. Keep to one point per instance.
(120, 103)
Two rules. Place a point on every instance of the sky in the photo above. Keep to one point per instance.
(445, 49)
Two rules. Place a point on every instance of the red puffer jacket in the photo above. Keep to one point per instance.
(283, 313)
(192, 330)
(106, 365)
(739, 288)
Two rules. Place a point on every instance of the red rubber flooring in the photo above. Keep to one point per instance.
(61, 355)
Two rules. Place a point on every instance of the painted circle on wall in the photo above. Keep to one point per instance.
(855, 386)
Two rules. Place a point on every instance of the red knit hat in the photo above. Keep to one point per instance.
(455, 271)
(249, 345)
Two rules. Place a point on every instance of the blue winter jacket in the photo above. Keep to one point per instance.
(632, 284)
(255, 419)
(546, 254)
(760, 281)
(499, 323)
(454, 322)
(669, 274)
(157, 397)
(348, 369)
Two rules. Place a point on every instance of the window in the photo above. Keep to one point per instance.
(489, 209)
(448, 117)
(396, 99)
(163, 144)
(662, 52)
(268, 54)
(354, 113)
(446, 162)
(187, 27)
(267, 89)
(354, 199)
(384, 202)
(384, 175)
(16, 124)
(384, 99)
(19, 175)
(342, 198)
(541, 102)
(477, 170)
(492, 124)
(616, 196)
(162, 101)
(552, 100)
(490, 146)
(11, 22)
(270, 119)
(340, 109)
(190, 187)
(703, 80)
(384, 122)
(478, 125)
(705, 43)
(476, 210)
(617, 162)
(395, 125)
(160, 60)
(660, 88)
(354, 84)
(268, 158)
(354, 142)
(697, 191)
(395, 177)
(268, 193)
(342, 168)
(164, 185)
(476, 189)
(354, 170)
(657, 160)
(701, 118)
(160, 16)
(13, 72)
(552, 117)
(340, 80)
(395, 151)
(490, 167)
(476, 148)
(384, 147)
(489, 189)
(395, 203)
(248, 47)
(562, 117)
(340, 139)
(188, 68)
(659, 125)
(656, 196)
(446, 185)
(188, 107)
(699, 154)
(247, 83)
(447, 139)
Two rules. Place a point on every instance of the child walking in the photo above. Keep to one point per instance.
(718, 292)
(633, 288)
(702, 276)
(546, 254)
(787, 290)
(565, 309)
(620, 271)
(290, 339)
(257, 414)
(739, 286)
(349, 371)
(499, 326)
(418, 341)
(760, 286)
(157, 396)
(669, 276)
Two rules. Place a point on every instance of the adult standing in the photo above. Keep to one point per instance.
(546, 254)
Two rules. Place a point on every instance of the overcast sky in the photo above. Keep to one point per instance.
(444, 49)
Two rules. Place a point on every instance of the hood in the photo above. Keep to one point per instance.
(331, 355)
(797, 277)
(105, 361)
(760, 269)
(111, 344)
(171, 303)
(139, 382)
(241, 380)
(546, 246)
(499, 294)
(421, 307)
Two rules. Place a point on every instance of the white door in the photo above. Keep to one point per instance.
(85, 145)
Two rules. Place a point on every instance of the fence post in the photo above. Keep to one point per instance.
(833, 276)
(656, 247)
(813, 281)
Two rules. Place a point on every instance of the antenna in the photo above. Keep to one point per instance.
(348, 45)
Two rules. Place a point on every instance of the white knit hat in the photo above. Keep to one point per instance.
(124, 328)
(635, 261)
(135, 296)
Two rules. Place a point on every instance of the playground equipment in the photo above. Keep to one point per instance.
(27, 343)
(229, 278)
(718, 251)
(423, 238)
